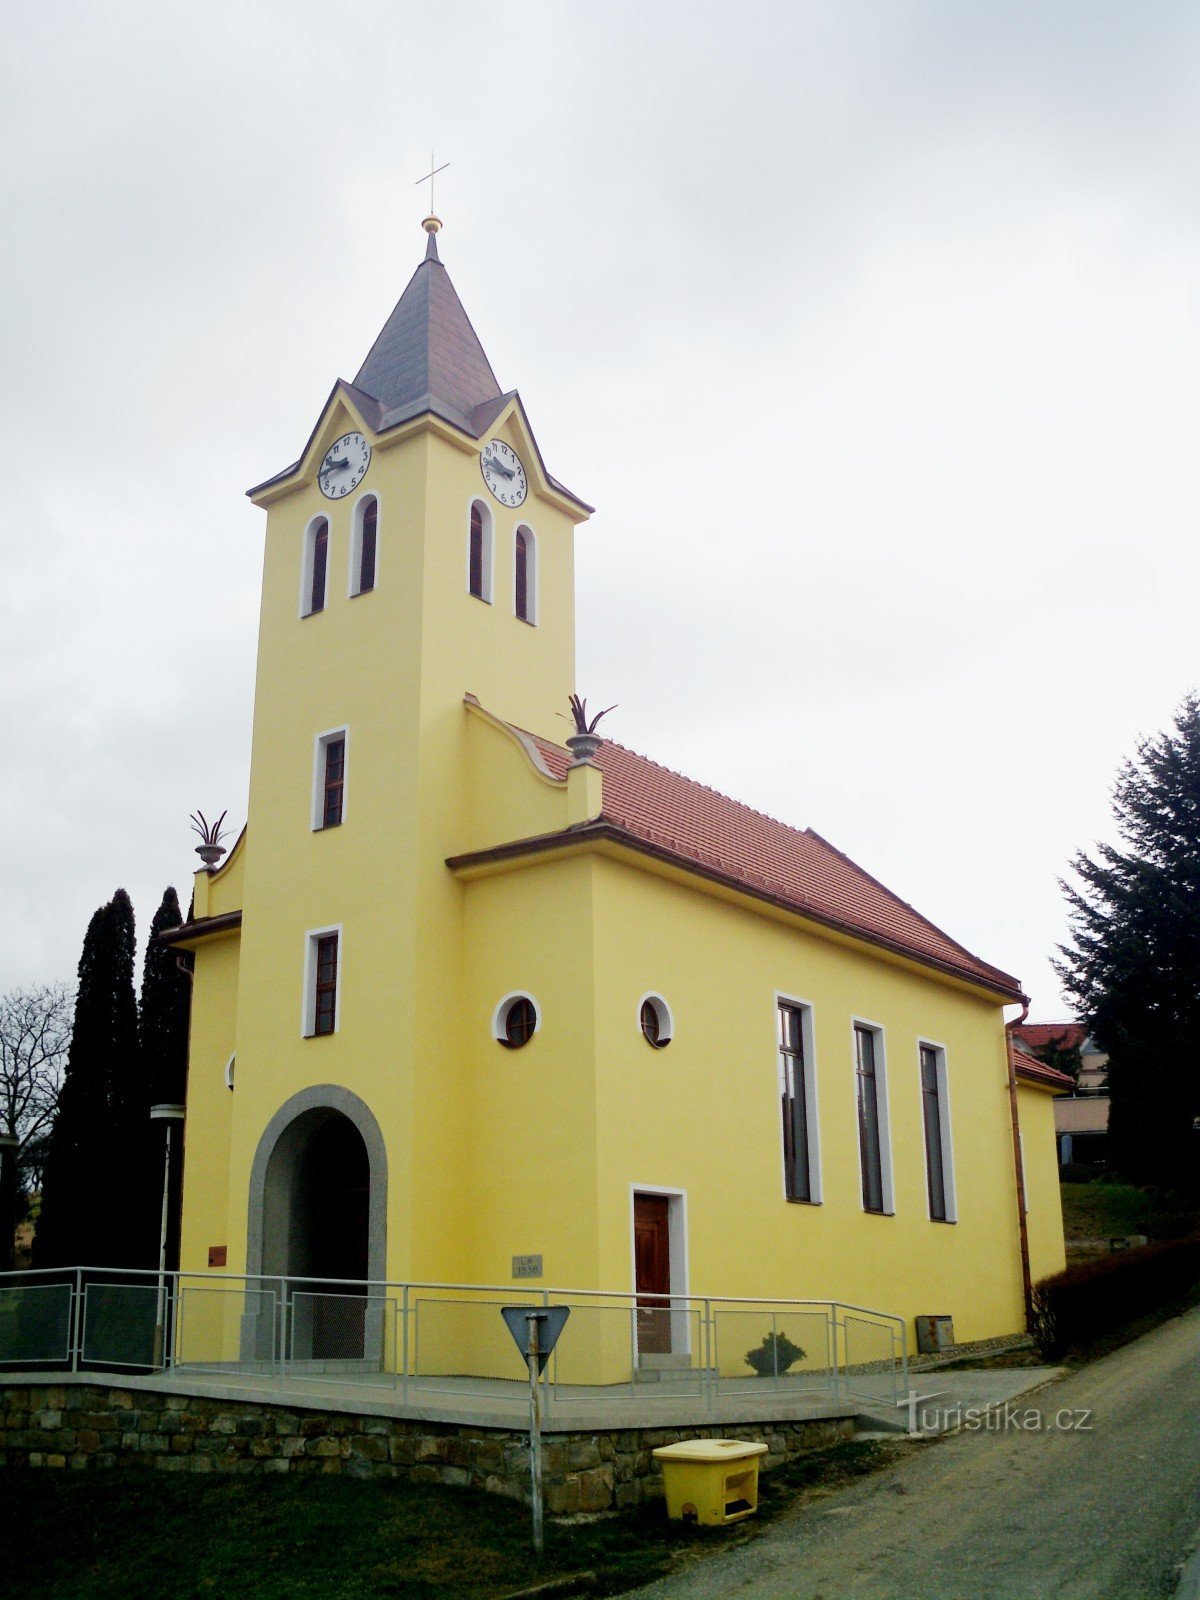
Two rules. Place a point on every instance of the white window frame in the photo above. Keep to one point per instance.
(308, 1010)
(320, 744)
(811, 1105)
(666, 1019)
(356, 531)
(306, 564)
(883, 1112)
(531, 574)
(944, 1128)
(499, 1015)
(677, 1246)
(488, 553)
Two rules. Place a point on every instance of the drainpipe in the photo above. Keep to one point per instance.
(1019, 1162)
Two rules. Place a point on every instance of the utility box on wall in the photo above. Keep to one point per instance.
(934, 1334)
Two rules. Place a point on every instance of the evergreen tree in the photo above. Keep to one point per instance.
(83, 1215)
(163, 1018)
(1133, 963)
(164, 1010)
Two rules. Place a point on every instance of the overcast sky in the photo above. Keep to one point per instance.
(870, 329)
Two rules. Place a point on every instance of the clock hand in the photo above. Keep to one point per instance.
(330, 466)
(497, 466)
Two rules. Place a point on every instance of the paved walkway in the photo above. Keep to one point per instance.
(1100, 1502)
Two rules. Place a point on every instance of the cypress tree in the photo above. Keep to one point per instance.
(163, 1018)
(1133, 964)
(83, 1218)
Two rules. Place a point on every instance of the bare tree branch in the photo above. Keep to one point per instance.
(35, 1031)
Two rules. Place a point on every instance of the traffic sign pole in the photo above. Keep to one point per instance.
(535, 1432)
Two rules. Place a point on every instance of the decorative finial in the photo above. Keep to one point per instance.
(585, 741)
(432, 224)
(211, 849)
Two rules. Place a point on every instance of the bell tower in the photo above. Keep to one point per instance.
(417, 551)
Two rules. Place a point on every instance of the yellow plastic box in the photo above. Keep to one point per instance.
(710, 1481)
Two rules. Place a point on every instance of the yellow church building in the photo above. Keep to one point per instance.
(473, 1005)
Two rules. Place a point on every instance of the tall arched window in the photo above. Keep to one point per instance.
(525, 575)
(363, 545)
(479, 553)
(316, 563)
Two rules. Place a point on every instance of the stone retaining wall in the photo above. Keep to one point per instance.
(85, 1427)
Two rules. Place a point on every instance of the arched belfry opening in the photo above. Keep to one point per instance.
(317, 1217)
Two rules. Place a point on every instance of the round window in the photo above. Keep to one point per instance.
(654, 1018)
(517, 1022)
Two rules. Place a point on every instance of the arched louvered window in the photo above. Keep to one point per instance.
(479, 554)
(364, 544)
(525, 575)
(316, 565)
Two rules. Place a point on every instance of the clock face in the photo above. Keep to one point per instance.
(345, 465)
(503, 473)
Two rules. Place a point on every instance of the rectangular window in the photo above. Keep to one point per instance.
(335, 781)
(321, 983)
(795, 1097)
(931, 1116)
(329, 779)
(870, 1120)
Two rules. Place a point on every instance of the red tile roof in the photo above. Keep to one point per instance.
(1035, 1071)
(1038, 1034)
(794, 867)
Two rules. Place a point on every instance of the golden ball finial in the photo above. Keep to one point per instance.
(432, 224)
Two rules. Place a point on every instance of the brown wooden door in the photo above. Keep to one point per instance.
(652, 1265)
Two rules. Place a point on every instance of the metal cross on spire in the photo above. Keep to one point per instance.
(430, 176)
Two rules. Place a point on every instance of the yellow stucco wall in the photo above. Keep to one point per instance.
(1043, 1195)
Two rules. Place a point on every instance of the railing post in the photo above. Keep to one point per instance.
(75, 1325)
(404, 1341)
(834, 1370)
(547, 1386)
(283, 1318)
(710, 1373)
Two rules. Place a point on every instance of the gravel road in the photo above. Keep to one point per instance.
(1107, 1509)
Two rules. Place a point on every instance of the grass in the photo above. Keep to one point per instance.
(137, 1535)
(1105, 1209)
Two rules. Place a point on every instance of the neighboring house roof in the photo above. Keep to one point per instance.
(694, 825)
(428, 359)
(1031, 1070)
(1066, 1035)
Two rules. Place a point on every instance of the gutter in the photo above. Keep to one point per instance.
(1019, 1162)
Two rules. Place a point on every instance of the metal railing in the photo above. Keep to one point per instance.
(447, 1342)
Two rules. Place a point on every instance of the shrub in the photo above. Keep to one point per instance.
(775, 1354)
(1071, 1308)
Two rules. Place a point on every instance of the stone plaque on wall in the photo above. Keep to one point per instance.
(527, 1266)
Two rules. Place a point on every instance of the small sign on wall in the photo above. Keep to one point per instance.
(527, 1266)
(218, 1255)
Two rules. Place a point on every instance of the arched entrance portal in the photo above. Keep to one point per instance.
(316, 1219)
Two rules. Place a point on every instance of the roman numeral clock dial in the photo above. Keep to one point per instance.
(344, 466)
(503, 473)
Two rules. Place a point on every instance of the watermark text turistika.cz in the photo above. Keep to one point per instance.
(924, 1416)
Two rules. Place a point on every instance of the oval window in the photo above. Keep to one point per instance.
(517, 1022)
(654, 1019)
